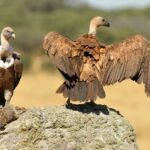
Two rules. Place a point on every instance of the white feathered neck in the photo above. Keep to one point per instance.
(5, 45)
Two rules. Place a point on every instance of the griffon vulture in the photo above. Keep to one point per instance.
(9, 79)
(6, 50)
(87, 65)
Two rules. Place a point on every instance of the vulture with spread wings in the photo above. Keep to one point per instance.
(87, 65)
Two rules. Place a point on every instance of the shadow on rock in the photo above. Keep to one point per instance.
(91, 108)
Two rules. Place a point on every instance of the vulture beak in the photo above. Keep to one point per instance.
(13, 35)
(106, 24)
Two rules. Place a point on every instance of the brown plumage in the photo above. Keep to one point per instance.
(9, 79)
(87, 65)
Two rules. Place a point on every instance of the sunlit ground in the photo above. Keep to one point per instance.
(37, 89)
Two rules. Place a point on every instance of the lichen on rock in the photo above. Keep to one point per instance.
(73, 127)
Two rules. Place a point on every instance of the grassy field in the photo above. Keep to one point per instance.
(38, 89)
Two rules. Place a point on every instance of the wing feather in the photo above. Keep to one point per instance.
(18, 69)
(122, 71)
(128, 59)
(87, 68)
(59, 49)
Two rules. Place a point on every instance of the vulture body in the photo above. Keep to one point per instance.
(9, 79)
(87, 65)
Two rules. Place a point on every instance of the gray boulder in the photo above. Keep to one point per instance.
(77, 127)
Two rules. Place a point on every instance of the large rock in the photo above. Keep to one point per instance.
(78, 127)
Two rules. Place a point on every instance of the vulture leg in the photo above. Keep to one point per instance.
(7, 95)
(92, 103)
(9, 62)
(68, 101)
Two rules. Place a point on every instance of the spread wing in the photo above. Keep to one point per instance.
(18, 69)
(128, 59)
(59, 49)
(80, 82)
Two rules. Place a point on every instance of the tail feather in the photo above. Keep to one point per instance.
(100, 91)
(90, 92)
(82, 90)
(73, 92)
(61, 88)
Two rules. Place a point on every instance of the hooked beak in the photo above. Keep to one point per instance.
(106, 24)
(13, 35)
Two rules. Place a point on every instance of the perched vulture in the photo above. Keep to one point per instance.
(9, 79)
(6, 50)
(87, 65)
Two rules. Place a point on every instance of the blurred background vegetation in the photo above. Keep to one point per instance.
(32, 19)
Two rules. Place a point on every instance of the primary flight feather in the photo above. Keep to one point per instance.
(87, 65)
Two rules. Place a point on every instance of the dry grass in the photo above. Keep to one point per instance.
(38, 89)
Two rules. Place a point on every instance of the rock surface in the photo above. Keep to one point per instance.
(9, 114)
(77, 127)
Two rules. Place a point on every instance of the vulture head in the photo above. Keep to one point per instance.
(7, 33)
(97, 22)
(6, 50)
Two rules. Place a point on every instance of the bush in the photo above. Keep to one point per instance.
(27, 61)
(48, 66)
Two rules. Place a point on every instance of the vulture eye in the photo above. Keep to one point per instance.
(103, 20)
(7, 31)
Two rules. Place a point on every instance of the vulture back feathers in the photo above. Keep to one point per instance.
(87, 65)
